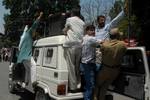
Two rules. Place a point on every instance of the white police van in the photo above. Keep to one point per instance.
(133, 82)
(51, 70)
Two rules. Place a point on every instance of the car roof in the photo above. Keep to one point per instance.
(49, 41)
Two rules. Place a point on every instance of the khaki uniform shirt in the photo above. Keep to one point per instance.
(112, 52)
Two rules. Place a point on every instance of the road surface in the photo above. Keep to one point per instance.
(4, 92)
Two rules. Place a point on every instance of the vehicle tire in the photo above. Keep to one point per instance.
(40, 95)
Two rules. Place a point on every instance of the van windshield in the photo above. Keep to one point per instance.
(133, 62)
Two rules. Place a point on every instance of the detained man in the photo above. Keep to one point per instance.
(74, 30)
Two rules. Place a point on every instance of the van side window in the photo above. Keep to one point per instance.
(49, 53)
(36, 55)
(50, 57)
(132, 76)
(133, 62)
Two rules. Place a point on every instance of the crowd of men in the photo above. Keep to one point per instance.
(97, 49)
(84, 45)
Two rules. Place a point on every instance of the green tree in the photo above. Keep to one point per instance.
(22, 11)
(116, 9)
(124, 24)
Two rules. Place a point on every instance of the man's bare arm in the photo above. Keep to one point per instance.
(39, 17)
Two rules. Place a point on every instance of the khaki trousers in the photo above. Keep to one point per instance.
(104, 78)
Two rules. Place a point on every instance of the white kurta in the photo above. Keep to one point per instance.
(73, 52)
(103, 33)
(75, 32)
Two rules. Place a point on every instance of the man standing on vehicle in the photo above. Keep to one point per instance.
(25, 48)
(112, 53)
(74, 30)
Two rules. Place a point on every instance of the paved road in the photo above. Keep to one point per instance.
(4, 93)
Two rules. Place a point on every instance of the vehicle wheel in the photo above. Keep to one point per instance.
(11, 86)
(40, 95)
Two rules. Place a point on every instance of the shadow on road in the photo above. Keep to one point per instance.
(26, 95)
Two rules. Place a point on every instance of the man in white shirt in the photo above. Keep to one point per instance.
(88, 61)
(102, 29)
(74, 30)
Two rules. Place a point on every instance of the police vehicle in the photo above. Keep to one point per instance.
(133, 82)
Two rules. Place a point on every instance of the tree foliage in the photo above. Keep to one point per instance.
(22, 11)
(141, 10)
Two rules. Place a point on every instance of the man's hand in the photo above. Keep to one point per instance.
(65, 30)
(41, 14)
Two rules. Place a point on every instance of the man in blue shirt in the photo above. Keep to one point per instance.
(25, 48)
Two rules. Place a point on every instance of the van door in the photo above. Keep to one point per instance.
(38, 56)
(49, 64)
(130, 83)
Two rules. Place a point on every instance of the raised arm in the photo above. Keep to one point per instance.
(22, 36)
(39, 17)
(36, 22)
(120, 16)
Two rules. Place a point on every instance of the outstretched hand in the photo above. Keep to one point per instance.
(41, 14)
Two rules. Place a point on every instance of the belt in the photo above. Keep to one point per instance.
(115, 66)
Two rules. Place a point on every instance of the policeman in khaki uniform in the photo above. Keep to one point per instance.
(112, 53)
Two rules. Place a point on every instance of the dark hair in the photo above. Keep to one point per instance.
(76, 12)
(90, 27)
(100, 16)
